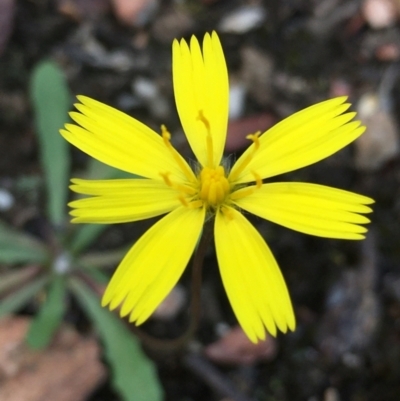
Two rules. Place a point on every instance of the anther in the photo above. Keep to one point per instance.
(204, 120)
(196, 204)
(183, 201)
(255, 138)
(165, 176)
(214, 186)
(166, 136)
(247, 191)
(257, 178)
(238, 168)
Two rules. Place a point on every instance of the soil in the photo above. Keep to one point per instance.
(346, 294)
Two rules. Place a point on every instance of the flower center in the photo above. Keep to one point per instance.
(214, 186)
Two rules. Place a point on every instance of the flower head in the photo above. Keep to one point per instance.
(250, 274)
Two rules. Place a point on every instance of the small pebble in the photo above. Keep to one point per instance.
(237, 98)
(380, 13)
(6, 200)
(145, 88)
(379, 144)
(331, 394)
(243, 19)
(148, 92)
(62, 263)
(171, 305)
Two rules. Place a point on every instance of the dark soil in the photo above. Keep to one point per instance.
(346, 294)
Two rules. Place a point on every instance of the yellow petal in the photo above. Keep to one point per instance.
(304, 138)
(120, 141)
(154, 264)
(121, 201)
(251, 277)
(201, 89)
(310, 208)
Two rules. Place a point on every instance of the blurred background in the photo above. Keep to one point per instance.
(56, 342)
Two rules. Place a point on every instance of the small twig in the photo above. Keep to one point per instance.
(213, 377)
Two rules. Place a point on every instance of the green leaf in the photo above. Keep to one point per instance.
(134, 374)
(102, 259)
(48, 319)
(18, 247)
(84, 236)
(17, 299)
(16, 278)
(100, 171)
(51, 101)
(98, 276)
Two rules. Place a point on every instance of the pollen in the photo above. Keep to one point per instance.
(214, 186)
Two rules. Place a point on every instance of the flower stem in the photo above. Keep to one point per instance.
(195, 305)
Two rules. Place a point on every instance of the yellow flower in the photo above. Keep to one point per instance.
(188, 196)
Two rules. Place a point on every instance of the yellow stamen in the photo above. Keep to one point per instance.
(196, 204)
(214, 186)
(183, 201)
(178, 158)
(165, 176)
(255, 138)
(243, 192)
(179, 187)
(257, 178)
(210, 146)
(252, 150)
(204, 120)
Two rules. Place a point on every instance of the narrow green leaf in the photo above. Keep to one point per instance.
(48, 319)
(102, 259)
(17, 299)
(51, 101)
(16, 278)
(100, 171)
(134, 374)
(98, 276)
(84, 235)
(18, 247)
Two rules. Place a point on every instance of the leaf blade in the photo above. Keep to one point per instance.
(18, 247)
(51, 101)
(133, 373)
(17, 299)
(46, 322)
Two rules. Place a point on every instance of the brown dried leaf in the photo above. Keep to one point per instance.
(69, 370)
(236, 349)
(239, 129)
(135, 13)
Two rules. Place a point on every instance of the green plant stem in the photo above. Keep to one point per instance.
(195, 305)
